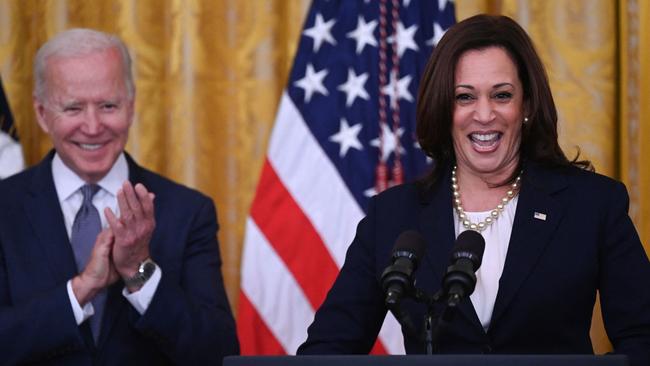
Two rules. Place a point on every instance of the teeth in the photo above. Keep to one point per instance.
(485, 137)
(90, 146)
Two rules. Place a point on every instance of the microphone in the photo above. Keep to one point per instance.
(397, 280)
(466, 257)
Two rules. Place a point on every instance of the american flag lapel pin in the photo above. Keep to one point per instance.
(540, 216)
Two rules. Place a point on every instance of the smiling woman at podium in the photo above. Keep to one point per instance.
(555, 231)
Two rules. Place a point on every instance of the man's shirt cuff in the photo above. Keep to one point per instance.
(142, 298)
(80, 314)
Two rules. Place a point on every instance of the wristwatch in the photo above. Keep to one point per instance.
(146, 269)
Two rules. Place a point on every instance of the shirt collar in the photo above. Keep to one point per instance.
(67, 182)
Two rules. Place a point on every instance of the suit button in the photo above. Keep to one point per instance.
(487, 348)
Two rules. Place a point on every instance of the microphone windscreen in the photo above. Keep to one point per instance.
(471, 245)
(409, 242)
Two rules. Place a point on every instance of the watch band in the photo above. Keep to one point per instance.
(145, 271)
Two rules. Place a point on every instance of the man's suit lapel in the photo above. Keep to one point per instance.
(437, 224)
(137, 175)
(536, 219)
(46, 218)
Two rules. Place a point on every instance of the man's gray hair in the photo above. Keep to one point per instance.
(78, 42)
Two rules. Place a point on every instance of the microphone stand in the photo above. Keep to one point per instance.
(435, 324)
(393, 303)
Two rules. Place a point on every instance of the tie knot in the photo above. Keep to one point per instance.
(89, 191)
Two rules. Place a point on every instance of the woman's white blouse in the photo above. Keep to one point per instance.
(497, 238)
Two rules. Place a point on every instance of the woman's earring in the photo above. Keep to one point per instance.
(525, 120)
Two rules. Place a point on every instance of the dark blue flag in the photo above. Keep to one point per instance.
(350, 77)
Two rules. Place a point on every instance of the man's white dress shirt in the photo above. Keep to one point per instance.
(68, 185)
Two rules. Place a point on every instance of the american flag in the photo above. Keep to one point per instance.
(11, 155)
(345, 129)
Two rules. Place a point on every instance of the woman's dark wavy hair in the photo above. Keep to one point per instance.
(436, 97)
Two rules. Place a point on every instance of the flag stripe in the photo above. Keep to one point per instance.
(252, 327)
(378, 349)
(269, 293)
(293, 237)
(391, 335)
(313, 180)
(321, 198)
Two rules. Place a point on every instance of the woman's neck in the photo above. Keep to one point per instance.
(482, 191)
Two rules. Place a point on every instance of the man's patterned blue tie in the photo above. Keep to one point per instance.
(85, 229)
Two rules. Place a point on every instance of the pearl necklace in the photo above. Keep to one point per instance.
(494, 214)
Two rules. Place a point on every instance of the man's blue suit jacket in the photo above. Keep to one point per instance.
(188, 321)
(553, 270)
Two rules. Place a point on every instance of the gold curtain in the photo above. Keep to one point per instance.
(634, 113)
(209, 74)
(597, 54)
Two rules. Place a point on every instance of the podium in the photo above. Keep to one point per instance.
(435, 360)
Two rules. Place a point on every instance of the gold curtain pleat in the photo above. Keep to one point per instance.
(209, 74)
(634, 115)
